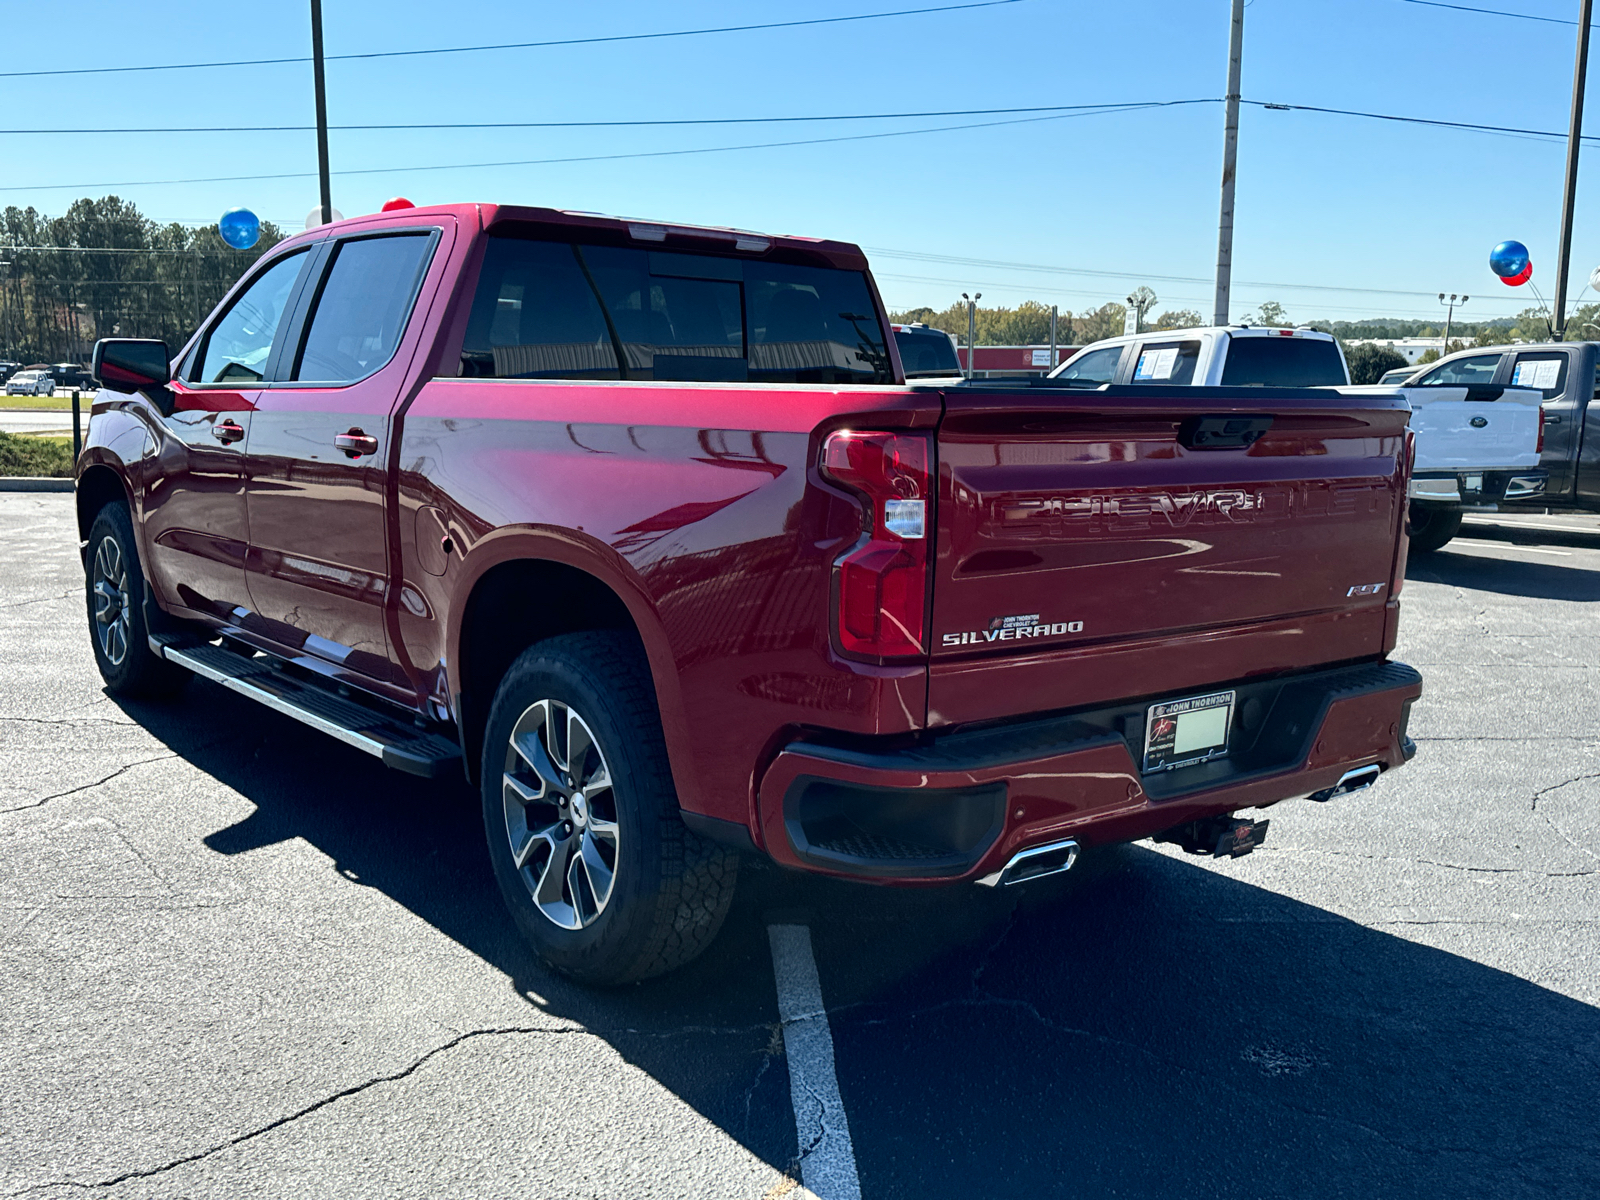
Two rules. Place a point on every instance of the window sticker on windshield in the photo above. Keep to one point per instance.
(1157, 364)
(1539, 374)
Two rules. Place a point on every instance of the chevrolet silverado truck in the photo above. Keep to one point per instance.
(1479, 428)
(640, 525)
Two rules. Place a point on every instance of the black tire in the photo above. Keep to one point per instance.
(1432, 526)
(114, 588)
(669, 889)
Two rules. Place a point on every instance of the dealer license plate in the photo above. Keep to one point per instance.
(1180, 733)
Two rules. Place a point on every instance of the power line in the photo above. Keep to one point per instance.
(539, 162)
(1475, 128)
(1492, 12)
(584, 41)
(1143, 277)
(885, 116)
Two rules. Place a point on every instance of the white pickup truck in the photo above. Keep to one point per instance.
(1478, 442)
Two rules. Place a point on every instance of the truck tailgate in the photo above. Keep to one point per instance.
(1468, 428)
(1091, 548)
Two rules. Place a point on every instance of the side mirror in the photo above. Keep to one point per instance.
(131, 364)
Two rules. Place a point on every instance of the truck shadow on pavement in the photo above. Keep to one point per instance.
(1532, 580)
(1142, 1027)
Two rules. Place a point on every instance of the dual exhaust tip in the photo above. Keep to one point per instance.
(1057, 857)
(1026, 865)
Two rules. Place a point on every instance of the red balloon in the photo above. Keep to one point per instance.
(1520, 278)
(396, 204)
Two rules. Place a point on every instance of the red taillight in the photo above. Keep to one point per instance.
(1539, 449)
(882, 582)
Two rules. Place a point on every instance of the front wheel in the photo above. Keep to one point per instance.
(600, 873)
(1431, 526)
(114, 583)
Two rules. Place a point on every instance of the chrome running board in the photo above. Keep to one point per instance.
(391, 738)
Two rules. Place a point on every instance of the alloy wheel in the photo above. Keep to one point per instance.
(112, 605)
(561, 815)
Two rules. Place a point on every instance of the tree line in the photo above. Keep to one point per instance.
(103, 269)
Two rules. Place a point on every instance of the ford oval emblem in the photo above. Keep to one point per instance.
(1479, 422)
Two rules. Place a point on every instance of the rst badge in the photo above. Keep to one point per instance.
(1010, 629)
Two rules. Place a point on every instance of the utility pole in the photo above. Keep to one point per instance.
(1052, 338)
(1230, 158)
(1558, 311)
(1449, 316)
(322, 110)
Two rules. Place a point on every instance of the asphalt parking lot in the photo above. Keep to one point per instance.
(240, 959)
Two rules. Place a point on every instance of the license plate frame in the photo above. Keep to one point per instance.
(1164, 731)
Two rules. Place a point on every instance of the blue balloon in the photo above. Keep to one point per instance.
(1508, 259)
(240, 228)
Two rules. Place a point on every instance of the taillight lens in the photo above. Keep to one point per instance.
(1539, 449)
(882, 582)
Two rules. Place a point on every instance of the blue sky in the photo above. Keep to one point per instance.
(1324, 203)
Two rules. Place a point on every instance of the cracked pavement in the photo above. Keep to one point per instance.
(240, 959)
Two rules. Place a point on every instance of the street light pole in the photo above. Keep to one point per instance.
(1558, 314)
(1230, 158)
(1449, 316)
(972, 330)
(322, 110)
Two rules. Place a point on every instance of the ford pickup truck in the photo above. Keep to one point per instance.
(1562, 377)
(1479, 431)
(640, 525)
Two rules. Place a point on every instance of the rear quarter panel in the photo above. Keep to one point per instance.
(700, 506)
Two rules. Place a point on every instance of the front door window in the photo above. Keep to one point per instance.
(237, 347)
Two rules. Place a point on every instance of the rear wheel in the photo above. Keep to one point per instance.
(592, 857)
(1431, 526)
(114, 583)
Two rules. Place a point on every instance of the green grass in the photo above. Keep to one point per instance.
(61, 402)
(35, 455)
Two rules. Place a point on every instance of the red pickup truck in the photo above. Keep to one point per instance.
(641, 525)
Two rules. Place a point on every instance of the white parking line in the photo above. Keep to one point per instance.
(827, 1159)
(1503, 546)
(1534, 525)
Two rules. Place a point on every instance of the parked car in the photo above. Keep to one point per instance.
(1397, 376)
(1468, 455)
(31, 383)
(641, 526)
(70, 375)
(926, 352)
(8, 369)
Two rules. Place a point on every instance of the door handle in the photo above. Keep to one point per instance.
(227, 431)
(1549, 420)
(355, 443)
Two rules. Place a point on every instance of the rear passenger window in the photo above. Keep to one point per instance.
(536, 317)
(553, 310)
(361, 310)
(1166, 362)
(1546, 372)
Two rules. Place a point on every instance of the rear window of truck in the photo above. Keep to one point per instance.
(1282, 362)
(926, 353)
(559, 310)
